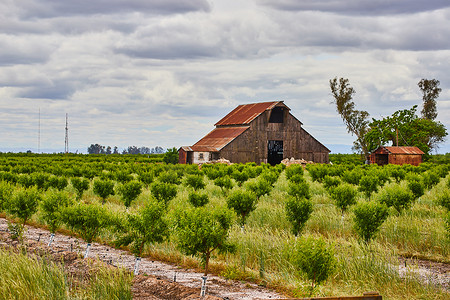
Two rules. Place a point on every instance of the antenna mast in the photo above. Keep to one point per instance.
(66, 142)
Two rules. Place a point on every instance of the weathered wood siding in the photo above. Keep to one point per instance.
(401, 159)
(252, 144)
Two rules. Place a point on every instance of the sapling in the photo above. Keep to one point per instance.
(260, 187)
(103, 189)
(396, 196)
(294, 169)
(344, 195)
(169, 177)
(243, 203)
(314, 258)
(240, 177)
(51, 206)
(298, 212)
(163, 191)
(145, 227)
(87, 220)
(195, 181)
(368, 217)
(198, 199)
(5, 194)
(225, 183)
(146, 178)
(299, 190)
(368, 184)
(443, 199)
(57, 182)
(416, 187)
(80, 185)
(201, 231)
(330, 182)
(129, 191)
(23, 205)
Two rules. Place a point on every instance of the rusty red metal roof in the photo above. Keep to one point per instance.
(403, 150)
(245, 113)
(218, 138)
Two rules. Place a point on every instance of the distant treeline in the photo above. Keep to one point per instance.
(99, 149)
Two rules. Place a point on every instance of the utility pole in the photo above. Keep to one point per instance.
(66, 142)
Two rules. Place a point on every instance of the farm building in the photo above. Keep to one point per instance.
(396, 155)
(260, 132)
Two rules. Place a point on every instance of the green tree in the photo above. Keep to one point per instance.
(129, 191)
(6, 191)
(344, 195)
(224, 183)
(243, 203)
(171, 156)
(314, 258)
(51, 206)
(163, 191)
(368, 217)
(260, 187)
(368, 184)
(197, 199)
(195, 181)
(103, 189)
(355, 120)
(430, 89)
(299, 190)
(298, 212)
(80, 185)
(200, 232)
(396, 196)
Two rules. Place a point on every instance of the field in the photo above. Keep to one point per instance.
(262, 245)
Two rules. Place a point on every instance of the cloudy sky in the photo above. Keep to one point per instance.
(162, 72)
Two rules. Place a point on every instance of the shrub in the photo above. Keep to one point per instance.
(344, 195)
(224, 183)
(169, 177)
(5, 194)
(314, 258)
(430, 179)
(130, 191)
(443, 199)
(146, 178)
(197, 199)
(270, 176)
(298, 212)
(368, 217)
(123, 176)
(447, 223)
(195, 181)
(260, 187)
(397, 172)
(25, 180)
(416, 188)
(300, 190)
(103, 189)
(51, 207)
(243, 203)
(368, 184)
(294, 169)
(330, 182)
(80, 185)
(171, 156)
(396, 196)
(352, 176)
(163, 191)
(58, 183)
(240, 177)
(201, 231)
(40, 180)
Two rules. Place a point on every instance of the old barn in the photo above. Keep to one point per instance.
(384, 155)
(259, 132)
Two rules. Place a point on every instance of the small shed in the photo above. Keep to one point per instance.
(384, 155)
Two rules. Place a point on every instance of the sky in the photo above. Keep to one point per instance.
(163, 72)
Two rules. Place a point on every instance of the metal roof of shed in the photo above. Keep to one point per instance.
(245, 113)
(402, 150)
(218, 138)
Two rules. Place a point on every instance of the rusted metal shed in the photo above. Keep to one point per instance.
(258, 132)
(384, 155)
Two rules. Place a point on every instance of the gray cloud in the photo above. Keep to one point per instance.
(359, 7)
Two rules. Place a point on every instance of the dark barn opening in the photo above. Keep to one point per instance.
(275, 152)
(276, 116)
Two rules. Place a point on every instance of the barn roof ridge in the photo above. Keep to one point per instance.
(244, 114)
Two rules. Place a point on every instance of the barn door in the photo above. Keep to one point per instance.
(275, 152)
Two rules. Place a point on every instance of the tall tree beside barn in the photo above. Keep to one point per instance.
(355, 120)
(430, 89)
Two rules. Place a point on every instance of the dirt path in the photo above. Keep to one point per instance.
(217, 286)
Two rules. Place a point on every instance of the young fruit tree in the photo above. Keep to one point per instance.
(396, 196)
(368, 217)
(145, 227)
(129, 191)
(6, 191)
(314, 258)
(50, 208)
(195, 181)
(198, 199)
(225, 183)
(23, 205)
(103, 189)
(87, 220)
(298, 211)
(243, 203)
(80, 185)
(344, 195)
(202, 231)
(163, 191)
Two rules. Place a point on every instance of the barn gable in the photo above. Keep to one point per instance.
(259, 132)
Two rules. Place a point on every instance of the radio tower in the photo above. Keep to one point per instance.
(66, 142)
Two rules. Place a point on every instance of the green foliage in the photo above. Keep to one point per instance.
(201, 231)
(145, 227)
(198, 199)
(224, 183)
(271, 176)
(298, 212)
(25, 180)
(368, 184)
(87, 220)
(130, 191)
(430, 89)
(430, 179)
(57, 182)
(344, 195)
(243, 203)
(40, 180)
(397, 172)
(317, 171)
(368, 217)
(171, 156)
(103, 188)
(299, 190)
(195, 181)
(239, 176)
(5, 194)
(352, 176)
(260, 187)
(163, 191)
(396, 196)
(443, 199)
(330, 182)
(416, 188)
(169, 177)
(447, 223)
(294, 169)
(51, 206)
(80, 185)
(146, 178)
(314, 258)
(123, 176)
